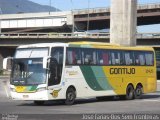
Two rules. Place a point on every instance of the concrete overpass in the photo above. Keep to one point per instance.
(99, 18)
(48, 21)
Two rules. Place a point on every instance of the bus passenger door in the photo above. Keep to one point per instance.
(55, 67)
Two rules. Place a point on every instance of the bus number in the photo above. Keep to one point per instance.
(149, 71)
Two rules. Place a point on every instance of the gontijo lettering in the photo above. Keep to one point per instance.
(122, 71)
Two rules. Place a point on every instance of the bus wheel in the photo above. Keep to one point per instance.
(70, 96)
(129, 92)
(38, 102)
(138, 92)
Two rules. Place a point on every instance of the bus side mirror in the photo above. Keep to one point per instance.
(5, 63)
(45, 61)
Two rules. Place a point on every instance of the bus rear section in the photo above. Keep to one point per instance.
(102, 71)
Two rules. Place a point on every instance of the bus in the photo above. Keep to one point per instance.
(77, 70)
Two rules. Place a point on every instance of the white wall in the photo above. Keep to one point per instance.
(33, 22)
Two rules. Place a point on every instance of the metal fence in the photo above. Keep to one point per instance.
(54, 35)
(72, 35)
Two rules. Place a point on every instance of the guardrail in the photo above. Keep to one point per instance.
(148, 35)
(139, 6)
(55, 35)
(145, 4)
(72, 35)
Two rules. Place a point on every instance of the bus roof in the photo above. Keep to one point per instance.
(42, 45)
(107, 45)
(86, 44)
(93, 43)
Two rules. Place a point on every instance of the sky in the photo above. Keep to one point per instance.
(81, 4)
(66, 5)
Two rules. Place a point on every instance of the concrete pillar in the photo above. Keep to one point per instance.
(123, 22)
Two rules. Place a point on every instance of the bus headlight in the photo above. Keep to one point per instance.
(13, 89)
(41, 89)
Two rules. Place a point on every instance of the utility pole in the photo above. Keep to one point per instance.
(123, 22)
(50, 7)
(88, 15)
(72, 16)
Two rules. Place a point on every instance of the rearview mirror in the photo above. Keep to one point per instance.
(45, 61)
(6, 63)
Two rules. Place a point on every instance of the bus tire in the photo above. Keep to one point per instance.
(138, 92)
(70, 96)
(39, 102)
(129, 92)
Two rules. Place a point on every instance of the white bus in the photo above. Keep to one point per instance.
(67, 71)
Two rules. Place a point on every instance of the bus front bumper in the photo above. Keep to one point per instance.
(42, 95)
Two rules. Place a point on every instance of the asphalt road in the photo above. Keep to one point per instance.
(82, 109)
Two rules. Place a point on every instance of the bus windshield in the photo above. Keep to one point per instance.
(28, 71)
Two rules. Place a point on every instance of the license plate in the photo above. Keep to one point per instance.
(25, 96)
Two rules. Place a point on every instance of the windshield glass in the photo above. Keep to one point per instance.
(31, 52)
(28, 71)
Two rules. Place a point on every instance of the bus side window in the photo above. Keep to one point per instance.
(149, 58)
(113, 58)
(87, 59)
(103, 57)
(94, 57)
(137, 61)
(128, 58)
(116, 57)
(73, 56)
(142, 59)
(89, 56)
(139, 58)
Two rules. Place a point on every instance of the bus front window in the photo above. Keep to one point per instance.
(28, 72)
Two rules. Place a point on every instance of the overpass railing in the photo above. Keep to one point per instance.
(148, 35)
(148, 6)
(72, 35)
(55, 35)
(139, 7)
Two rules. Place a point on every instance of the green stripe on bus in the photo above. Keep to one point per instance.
(73, 45)
(101, 78)
(33, 88)
(86, 46)
(80, 46)
(90, 78)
